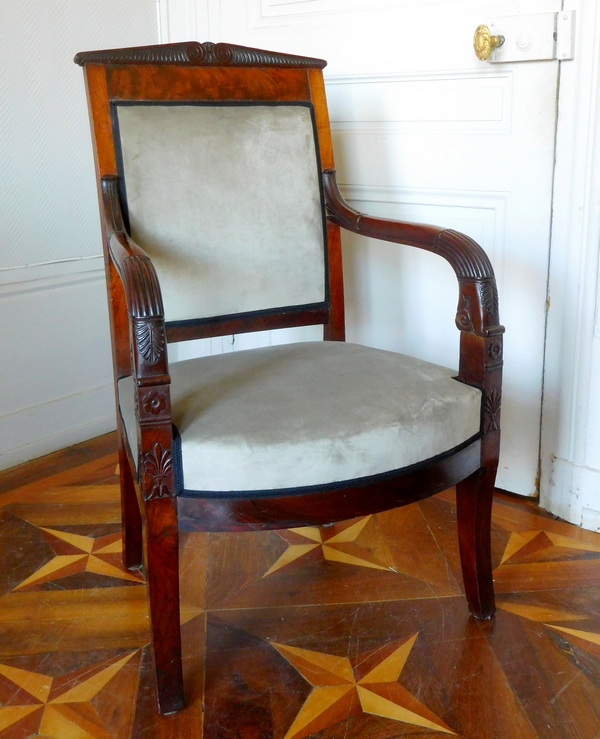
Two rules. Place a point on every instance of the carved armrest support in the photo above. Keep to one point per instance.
(478, 296)
(142, 293)
(148, 348)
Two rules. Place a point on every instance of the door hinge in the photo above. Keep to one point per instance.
(535, 37)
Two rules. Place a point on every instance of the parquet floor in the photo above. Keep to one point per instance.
(355, 631)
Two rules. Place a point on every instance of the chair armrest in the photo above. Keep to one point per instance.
(148, 349)
(478, 304)
(477, 318)
(142, 293)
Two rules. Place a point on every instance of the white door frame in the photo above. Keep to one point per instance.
(570, 447)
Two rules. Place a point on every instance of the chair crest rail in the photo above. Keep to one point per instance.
(194, 53)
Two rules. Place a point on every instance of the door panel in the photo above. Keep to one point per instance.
(424, 131)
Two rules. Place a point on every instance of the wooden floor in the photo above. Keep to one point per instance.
(354, 631)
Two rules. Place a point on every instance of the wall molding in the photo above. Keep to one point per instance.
(268, 13)
(570, 422)
(415, 106)
(48, 275)
(71, 419)
(56, 358)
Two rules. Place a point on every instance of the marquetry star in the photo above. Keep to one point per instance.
(341, 689)
(57, 707)
(76, 553)
(337, 544)
(538, 545)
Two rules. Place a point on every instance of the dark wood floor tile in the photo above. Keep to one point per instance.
(23, 550)
(559, 699)
(555, 606)
(267, 639)
(36, 622)
(414, 549)
(188, 723)
(192, 569)
(57, 462)
(60, 514)
(547, 576)
(364, 559)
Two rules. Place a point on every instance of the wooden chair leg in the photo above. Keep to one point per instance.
(130, 514)
(474, 512)
(162, 573)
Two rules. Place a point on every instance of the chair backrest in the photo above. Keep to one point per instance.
(219, 151)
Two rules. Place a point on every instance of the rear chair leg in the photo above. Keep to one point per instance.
(162, 572)
(130, 514)
(474, 511)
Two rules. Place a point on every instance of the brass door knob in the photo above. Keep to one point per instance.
(484, 43)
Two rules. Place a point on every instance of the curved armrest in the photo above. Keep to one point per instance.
(142, 293)
(478, 304)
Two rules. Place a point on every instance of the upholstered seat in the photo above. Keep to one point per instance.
(299, 415)
(222, 215)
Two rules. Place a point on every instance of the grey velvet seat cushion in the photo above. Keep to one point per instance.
(309, 414)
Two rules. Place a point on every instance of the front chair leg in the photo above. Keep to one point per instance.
(474, 512)
(162, 573)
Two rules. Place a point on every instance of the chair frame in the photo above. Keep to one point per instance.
(152, 513)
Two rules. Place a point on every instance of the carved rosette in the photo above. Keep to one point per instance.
(494, 353)
(158, 468)
(491, 411)
(153, 406)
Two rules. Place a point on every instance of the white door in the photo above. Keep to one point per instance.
(424, 131)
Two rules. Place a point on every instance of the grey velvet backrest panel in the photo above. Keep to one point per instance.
(226, 201)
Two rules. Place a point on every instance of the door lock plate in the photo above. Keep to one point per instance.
(535, 37)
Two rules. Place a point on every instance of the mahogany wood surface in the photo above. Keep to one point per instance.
(323, 508)
(225, 73)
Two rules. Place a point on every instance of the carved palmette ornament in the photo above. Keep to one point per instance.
(488, 294)
(150, 341)
(491, 411)
(157, 465)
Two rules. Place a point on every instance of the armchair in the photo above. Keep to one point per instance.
(221, 215)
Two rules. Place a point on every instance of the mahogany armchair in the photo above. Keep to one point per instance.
(222, 215)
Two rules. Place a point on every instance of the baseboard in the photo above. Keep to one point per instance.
(573, 493)
(41, 429)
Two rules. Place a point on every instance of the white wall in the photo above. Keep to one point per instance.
(55, 372)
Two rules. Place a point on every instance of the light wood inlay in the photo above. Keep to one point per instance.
(354, 630)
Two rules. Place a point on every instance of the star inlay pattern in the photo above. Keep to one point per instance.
(58, 707)
(75, 661)
(76, 553)
(335, 544)
(536, 546)
(369, 684)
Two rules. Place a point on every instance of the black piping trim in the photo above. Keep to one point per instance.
(291, 309)
(356, 482)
